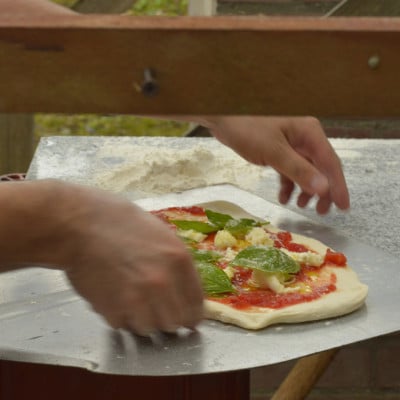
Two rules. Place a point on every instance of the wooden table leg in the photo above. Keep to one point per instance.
(305, 373)
(20, 381)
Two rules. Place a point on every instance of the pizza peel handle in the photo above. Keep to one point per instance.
(305, 373)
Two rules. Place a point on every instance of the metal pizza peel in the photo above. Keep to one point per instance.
(44, 321)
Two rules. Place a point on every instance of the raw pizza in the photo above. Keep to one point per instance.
(254, 274)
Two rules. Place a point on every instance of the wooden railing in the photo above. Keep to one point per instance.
(16, 131)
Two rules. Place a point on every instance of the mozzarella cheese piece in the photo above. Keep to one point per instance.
(224, 239)
(230, 272)
(308, 257)
(258, 236)
(192, 235)
(229, 255)
(265, 280)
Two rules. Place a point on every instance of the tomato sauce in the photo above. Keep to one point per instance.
(335, 258)
(284, 240)
(250, 297)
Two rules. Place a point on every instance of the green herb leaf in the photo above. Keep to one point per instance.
(197, 226)
(240, 227)
(206, 256)
(213, 279)
(218, 219)
(266, 259)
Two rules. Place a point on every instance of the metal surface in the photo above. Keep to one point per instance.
(42, 320)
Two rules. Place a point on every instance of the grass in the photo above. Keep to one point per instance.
(118, 125)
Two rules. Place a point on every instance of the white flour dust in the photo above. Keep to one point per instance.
(153, 170)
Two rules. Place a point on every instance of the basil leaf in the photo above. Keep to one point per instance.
(213, 279)
(240, 227)
(202, 227)
(266, 259)
(218, 219)
(205, 256)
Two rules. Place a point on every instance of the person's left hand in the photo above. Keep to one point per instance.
(296, 147)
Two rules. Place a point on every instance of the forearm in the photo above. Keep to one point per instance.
(33, 225)
(32, 8)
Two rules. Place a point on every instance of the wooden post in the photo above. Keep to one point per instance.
(16, 142)
(201, 8)
(303, 376)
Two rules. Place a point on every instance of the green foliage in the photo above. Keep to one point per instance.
(160, 7)
(96, 125)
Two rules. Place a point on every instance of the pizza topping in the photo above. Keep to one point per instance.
(240, 227)
(258, 235)
(214, 280)
(266, 259)
(275, 282)
(218, 219)
(202, 227)
(229, 255)
(224, 239)
(308, 257)
(217, 222)
(191, 235)
(284, 240)
(229, 271)
(332, 257)
(270, 299)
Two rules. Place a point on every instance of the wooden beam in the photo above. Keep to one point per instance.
(385, 8)
(334, 67)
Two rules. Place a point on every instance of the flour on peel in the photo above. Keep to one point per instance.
(152, 170)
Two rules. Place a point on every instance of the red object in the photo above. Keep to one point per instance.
(332, 257)
(12, 177)
(284, 240)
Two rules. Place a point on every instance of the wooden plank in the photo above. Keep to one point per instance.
(335, 67)
(16, 143)
(388, 8)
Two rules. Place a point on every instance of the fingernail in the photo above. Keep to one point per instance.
(319, 184)
(171, 329)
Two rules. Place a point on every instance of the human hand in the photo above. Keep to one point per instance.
(296, 147)
(128, 264)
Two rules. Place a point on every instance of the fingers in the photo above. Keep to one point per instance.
(297, 148)
(312, 164)
(165, 303)
(133, 270)
(155, 304)
(286, 190)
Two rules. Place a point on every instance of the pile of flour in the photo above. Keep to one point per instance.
(158, 170)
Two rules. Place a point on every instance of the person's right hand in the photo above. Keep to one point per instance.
(129, 265)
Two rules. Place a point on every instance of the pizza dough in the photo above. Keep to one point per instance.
(349, 295)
